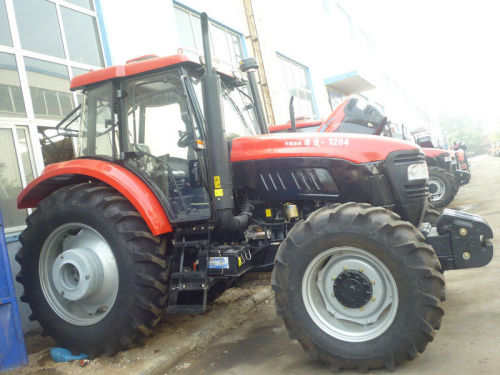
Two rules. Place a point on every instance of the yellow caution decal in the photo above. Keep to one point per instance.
(217, 182)
(219, 192)
(269, 213)
(239, 262)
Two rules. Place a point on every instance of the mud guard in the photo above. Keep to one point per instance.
(58, 175)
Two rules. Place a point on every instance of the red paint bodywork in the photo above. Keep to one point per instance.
(126, 182)
(433, 152)
(121, 71)
(358, 149)
(332, 123)
(298, 125)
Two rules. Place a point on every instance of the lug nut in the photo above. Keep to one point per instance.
(373, 299)
(361, 308)
(334, 278)
(466, 255)
(87, 277)
(463, 231)
(345, 268)
(361, 269)
(373, 282)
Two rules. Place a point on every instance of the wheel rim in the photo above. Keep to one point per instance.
(78, 274)
(437, 188)
(329, 312)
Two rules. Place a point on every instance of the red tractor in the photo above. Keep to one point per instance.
(459, 164)
(175, 192)
(351, 117)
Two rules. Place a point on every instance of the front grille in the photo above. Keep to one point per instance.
(416, 192)
(410, 196)
(409, 158)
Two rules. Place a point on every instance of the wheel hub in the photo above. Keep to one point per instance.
(77, 273)
(338, 299)
(352, 289)
(436, 188)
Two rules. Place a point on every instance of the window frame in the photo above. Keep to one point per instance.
(212, 24)
(13, 126)
(307, 76)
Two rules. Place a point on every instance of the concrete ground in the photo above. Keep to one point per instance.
(467, 343)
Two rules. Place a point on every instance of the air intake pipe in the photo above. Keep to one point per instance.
(221, 181)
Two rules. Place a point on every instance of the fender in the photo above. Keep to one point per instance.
(356, 148)
(56, 176)
(433, 152)
(332, 123)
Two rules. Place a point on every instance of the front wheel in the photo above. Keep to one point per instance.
(358, 288)
(93, 274)
(443, 186)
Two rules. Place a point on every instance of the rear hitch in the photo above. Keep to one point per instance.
(460, 240)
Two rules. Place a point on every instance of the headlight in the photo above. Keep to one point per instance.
(418, 171)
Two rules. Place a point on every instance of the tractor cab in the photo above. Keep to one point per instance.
(160, 136)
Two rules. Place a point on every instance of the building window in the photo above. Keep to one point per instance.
(49, 87)
(39, 29)
(11, 97)
(296, 80)
(82, 3)
(5, 38)
(83, 46)
(16, 169)
(225, 43)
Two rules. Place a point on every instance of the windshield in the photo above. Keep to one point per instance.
(96, 125)
(239, 117)
(351, 127)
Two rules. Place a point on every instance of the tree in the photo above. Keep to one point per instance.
(466, 130)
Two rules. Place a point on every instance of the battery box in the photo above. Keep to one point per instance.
(225, 260)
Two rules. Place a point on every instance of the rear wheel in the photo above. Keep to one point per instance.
(93, 274)
(358, 288)
(442, 186)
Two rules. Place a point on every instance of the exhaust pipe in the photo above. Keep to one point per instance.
(250, 66)
(221, 181)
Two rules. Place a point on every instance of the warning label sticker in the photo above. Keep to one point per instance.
(217, 182)
(218, 262)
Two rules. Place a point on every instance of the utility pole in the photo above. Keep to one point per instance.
(252, 28)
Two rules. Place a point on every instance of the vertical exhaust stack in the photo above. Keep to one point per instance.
(250, 66)
(221, 181)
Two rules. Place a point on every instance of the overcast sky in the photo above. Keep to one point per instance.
(445, 53)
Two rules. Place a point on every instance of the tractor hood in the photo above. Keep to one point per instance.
(355, 148)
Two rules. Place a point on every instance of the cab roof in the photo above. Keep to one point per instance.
(133, 67)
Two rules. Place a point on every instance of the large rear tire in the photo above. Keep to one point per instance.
(443, 186)
(93, 274)
(358, 288)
